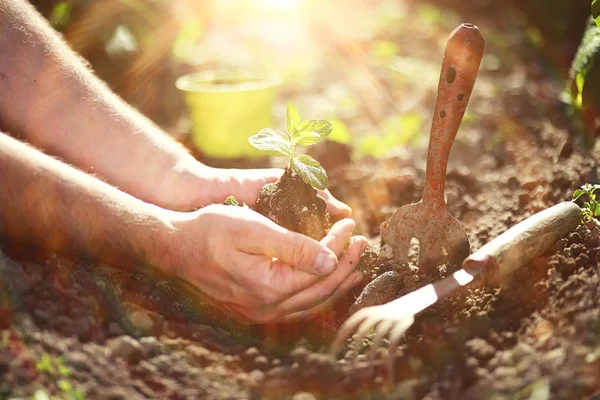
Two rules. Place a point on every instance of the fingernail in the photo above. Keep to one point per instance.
(325, 263)
(364, 247)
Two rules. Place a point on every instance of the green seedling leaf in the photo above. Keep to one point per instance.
(231, 201)
(596, 11)
(586, 55)
(45, 364)
(271, 142)
(310, 171)
(292, 117)
(591, 207)
(597, 209)
(61, 14)
(65, 385)
(311, 132)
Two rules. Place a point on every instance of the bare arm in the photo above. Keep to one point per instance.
(51, 205)
(52, 100)
(266, 274)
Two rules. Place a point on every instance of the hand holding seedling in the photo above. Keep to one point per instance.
(245, 185)
(55, 207)
(257, 271)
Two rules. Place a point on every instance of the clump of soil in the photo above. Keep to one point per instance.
(295, 205)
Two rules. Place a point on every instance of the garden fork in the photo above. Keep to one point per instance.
(441, 237)
(493, 262)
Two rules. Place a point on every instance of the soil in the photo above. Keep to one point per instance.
(295, 205)
(124, 335)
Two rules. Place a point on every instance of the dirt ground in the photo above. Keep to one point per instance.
(91, 331)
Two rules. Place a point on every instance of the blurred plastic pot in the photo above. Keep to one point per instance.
(226, 108)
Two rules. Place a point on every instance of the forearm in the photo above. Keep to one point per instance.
(50, 98)
(50, 205)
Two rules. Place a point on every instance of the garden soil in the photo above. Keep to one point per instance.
(113, 334)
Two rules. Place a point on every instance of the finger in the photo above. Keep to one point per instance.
(335, 207)
(338, 236)
(264, 237)
(354, 279)
(324, 289)
(270, 175)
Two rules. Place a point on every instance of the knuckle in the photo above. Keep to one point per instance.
(300, 251)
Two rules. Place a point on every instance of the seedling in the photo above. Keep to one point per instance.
(232, 201)
(591, 208)
(282, 144)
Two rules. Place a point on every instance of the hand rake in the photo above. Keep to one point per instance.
(496, 260)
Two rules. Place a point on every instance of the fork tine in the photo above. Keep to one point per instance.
(381, 330)
(346, 331)
(396, 334)
(367, 324)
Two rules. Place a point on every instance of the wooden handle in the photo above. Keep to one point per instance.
(459, 70)
(523, 242)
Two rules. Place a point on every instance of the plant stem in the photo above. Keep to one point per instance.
(292, 145)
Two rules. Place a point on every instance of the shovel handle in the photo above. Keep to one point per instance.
(523, 242)
(459, 70)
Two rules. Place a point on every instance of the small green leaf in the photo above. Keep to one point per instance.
(292, 118)
(272, 142)
(577, 194)
(311, 132)
(64, 385)
(596, 11)
(231, 201)
(310, 171)
(597, 210)
(45, 364)
(586, 55)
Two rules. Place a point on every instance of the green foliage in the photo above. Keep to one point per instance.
(339, 132)
(591, 208)
(304, 133)
(232, 201)
(5, 340)
(187, 39)
(396, 132)
(69, 390)
(55, 368)
(586, 55)
(383, 50)
(596, 11)
(52, 366)
(61, 14)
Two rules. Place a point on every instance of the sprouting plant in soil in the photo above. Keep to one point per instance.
(305, 133)
(232, 201)
(591, 208)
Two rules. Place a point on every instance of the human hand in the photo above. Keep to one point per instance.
(245, 185)
(195, 185)
(257, 271)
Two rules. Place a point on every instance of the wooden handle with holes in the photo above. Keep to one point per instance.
(523, 242)
(459, 70)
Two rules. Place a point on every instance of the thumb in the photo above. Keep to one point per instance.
(264, 237)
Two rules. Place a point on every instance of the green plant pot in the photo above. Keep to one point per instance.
(226, 108)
